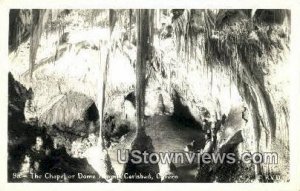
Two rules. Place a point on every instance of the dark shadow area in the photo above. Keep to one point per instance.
(182, 113)
(92, 113)
(112, 130)
(19, 27)
(131, 97)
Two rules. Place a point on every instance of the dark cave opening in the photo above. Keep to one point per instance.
(92, 113)
(182, 112)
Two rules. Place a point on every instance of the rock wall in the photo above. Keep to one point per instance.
(239, 60)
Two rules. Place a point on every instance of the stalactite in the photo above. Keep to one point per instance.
(230, 76)
(257, 132)
(207, 67)
(130, 24)
(18, 36)
(170, 73)
(112, 19)
(203, 56)
(207, 56)
(236, 66)
(57, 44)
(280, 129)
(37, 22)
(104, 69)
(152, 32)
(211, 79)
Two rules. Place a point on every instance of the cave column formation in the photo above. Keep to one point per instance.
(142, 48)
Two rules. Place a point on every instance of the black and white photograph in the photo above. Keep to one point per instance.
(148, 95)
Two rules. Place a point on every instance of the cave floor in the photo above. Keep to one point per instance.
(168, 135)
